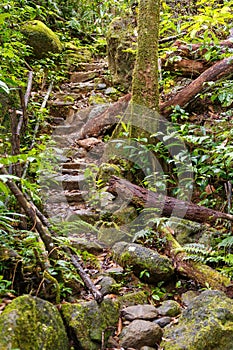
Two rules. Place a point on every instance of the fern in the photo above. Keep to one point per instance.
(226, 242)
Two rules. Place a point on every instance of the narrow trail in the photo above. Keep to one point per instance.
(69, 182)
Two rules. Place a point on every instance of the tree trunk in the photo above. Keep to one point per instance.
(145, 90)
(168, 206)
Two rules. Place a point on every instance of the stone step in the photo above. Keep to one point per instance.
(92, 66)
(74, 197)
(80, 77)
(70, 182)
(73, 165)
(67, 129)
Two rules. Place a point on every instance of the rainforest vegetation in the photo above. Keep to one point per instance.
(193, 77)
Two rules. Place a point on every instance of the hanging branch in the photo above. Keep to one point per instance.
(45, 100)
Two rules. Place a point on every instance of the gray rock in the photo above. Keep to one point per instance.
(110, 91)
(169, 308)
(143, 312)
(188, 297)
(89, 320)
(140, 333)
(147, 348)
(84, 244)
(101, 86)
(108, 285)
(163, 321)
(159, 267)
(207, 323)
(32, 323)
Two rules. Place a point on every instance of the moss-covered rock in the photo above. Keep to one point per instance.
(157, 267)
(169, 308)
(121, 45)
(41, 38)
(207, 323)
(87, 322)
(30, 323)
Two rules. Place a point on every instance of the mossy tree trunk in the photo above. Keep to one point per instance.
(145, 90)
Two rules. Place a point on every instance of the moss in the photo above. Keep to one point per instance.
(88, 321)
(41, 38)
(207, 324)
(145, 89)
(31, 323)
(129, 299)
(140, 259)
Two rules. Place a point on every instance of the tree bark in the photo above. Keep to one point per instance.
(141, 197)
(145, 89)
(219, 70)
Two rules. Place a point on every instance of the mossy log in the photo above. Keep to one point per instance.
(141, 197)
(198, 272)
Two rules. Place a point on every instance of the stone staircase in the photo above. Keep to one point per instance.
(67, 179)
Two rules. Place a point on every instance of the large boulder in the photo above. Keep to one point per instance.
(146, 263)
(207, 323)
(88, 321)
(41, 38)
(30, 323)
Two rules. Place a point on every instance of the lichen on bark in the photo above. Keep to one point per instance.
(145, 90)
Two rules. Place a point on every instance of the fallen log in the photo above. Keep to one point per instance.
(104, 121)
(143, 198)
(202, 274)
(219, 70)
(186, 66)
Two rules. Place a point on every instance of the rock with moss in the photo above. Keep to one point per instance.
(30, 323)
(121, 45)
(207, 323)
(41, 38)
(169, 308)
(146, 263)
(134, 298)
(88, 321)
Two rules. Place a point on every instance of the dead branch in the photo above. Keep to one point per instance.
(42, 226)
(219, 70)
(98, 126)
(141, 197)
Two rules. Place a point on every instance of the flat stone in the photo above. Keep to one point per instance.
(143, 312)
(89, 143)
(140, 333)
(67, 129)
(80, 77)
(73, 165)
(68, 182)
